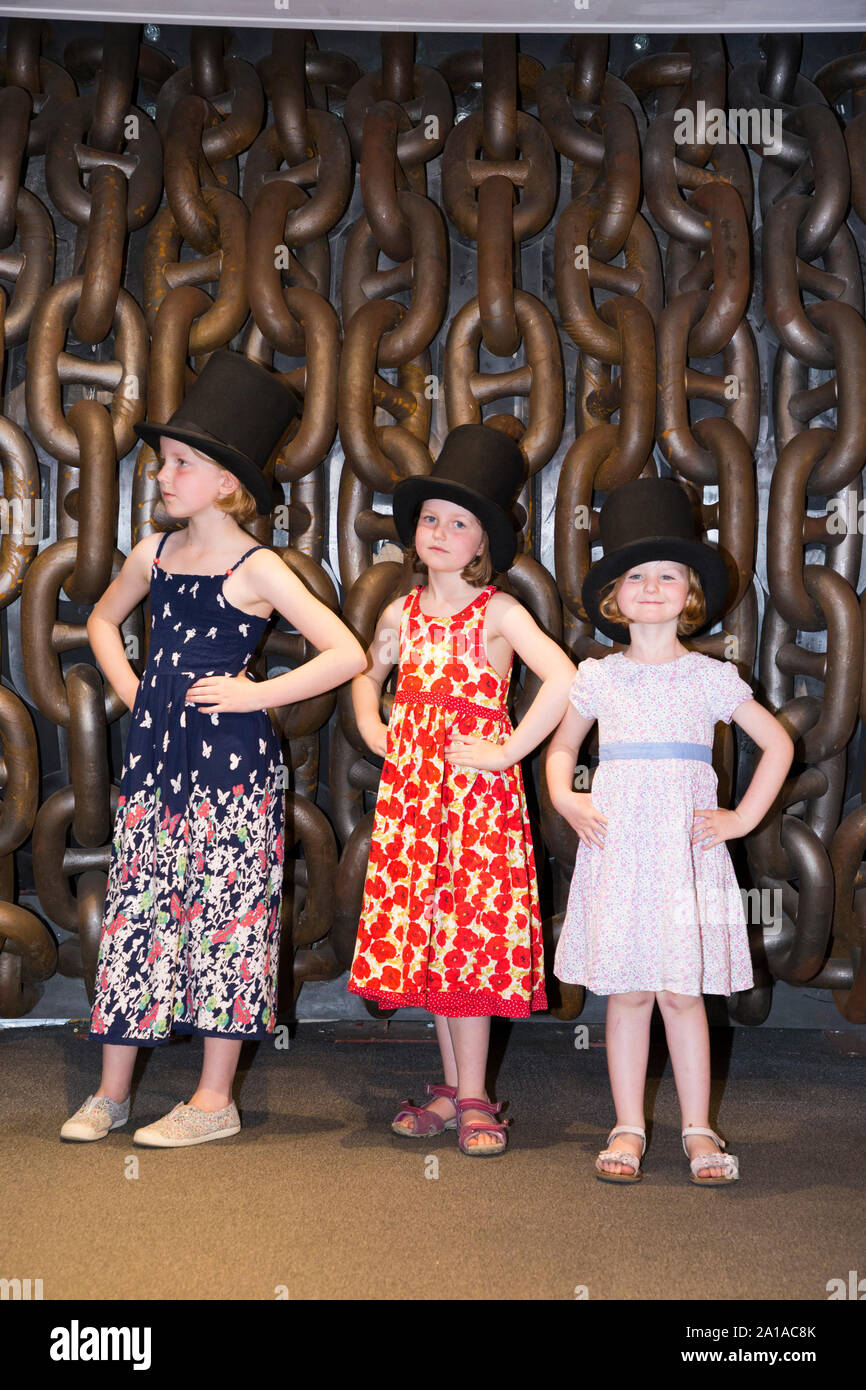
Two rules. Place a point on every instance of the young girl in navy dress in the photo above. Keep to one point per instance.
(450, 919)
(654, 911)
(190, 936)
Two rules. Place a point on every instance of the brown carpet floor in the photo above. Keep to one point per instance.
(316, 1194)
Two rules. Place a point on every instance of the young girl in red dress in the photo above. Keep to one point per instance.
(450, 919)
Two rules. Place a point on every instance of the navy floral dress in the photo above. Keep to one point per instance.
(191, 925)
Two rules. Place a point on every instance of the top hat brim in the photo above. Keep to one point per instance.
(411, 492)
(262, 488)
(709, 563)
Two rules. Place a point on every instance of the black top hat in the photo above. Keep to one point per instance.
(652, 519)
(480, 469)
(236, 412)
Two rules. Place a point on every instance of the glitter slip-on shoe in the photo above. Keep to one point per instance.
(186, 1124)
(94, 1119)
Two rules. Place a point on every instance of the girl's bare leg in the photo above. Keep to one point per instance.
(627, 1031)
(441, 1105)
(463, 1043)
(688, 1036)
(471, 1039)
(118, 1060)
(221, 1056)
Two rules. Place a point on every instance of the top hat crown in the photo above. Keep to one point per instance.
(652, 519)
(236, 412)
(480, 469)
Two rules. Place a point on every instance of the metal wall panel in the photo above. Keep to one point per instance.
(639, 386)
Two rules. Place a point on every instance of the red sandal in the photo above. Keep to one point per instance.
(472, 1127)
(426, 1121)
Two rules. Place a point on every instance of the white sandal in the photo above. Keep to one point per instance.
(622, 1156)
(727, 1162)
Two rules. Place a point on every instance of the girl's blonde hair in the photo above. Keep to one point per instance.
(239, 504)
(478, 572)
(693, 615)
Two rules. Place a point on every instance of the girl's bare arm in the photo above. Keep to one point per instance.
(537, 651)
(562, 754)
(778, 753)
(367, 687)
(103, 626)
(576, 808)
(340, 654)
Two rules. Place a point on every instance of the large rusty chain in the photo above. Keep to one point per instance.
(368, 236)
(594, 120)
(814, 302)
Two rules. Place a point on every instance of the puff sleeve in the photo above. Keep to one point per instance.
(725, 690)
(583, 692)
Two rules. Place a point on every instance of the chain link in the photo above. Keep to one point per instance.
(391, 298)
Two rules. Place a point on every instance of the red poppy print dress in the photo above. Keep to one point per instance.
(450, 919)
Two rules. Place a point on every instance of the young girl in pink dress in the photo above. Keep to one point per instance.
(654, 911)
(450, 919)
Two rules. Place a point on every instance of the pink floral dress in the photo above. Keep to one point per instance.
(650, 910)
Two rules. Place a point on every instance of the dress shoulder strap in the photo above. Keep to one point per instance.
(406, 611)
(165, 535)
(486, 594)
(232, 569)
(408, 605)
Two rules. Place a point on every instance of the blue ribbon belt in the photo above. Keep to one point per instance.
(700, 751)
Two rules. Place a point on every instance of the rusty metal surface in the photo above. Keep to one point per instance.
(413, 240)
